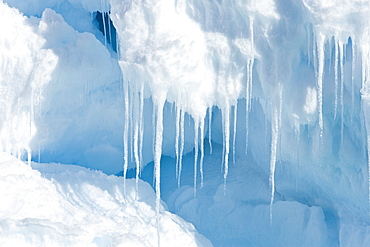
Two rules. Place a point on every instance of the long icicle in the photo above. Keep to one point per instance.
(125, 132)
(226, 129)
(336, 54)
(341, 61)
(177, 139)
(201, 127)
(104, 28)
(249, 88)
(182, 144)
(136, 143)
(196, 150)
(157, 161)
(320, 73)
(234, 129)
(275, 125)
(141, 124)
(153, 131)
(274, 139)
(353, 78)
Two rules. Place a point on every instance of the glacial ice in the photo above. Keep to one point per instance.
(279, 88)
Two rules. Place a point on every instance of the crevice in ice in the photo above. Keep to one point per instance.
(105, 25)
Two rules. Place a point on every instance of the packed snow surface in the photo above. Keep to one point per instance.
(65, 205)
(251, 119)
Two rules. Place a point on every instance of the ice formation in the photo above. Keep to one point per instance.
(279, 88)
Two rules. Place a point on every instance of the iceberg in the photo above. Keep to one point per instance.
(249, 118)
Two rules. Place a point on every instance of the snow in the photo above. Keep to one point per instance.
(279, 88)
(65, 205)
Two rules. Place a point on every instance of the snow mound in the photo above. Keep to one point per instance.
(63, 205)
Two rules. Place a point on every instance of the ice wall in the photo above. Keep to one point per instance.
(303, 63)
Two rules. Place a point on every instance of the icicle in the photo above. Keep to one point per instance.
(196, 141)
(31, 120)
(103, 5)
(141, 123)
(248, 101)
(153, 127)
(210, 129)
(29, 156)
(248, 91)
(201, 126)
(336, 54)
(109, 34)
(226, 130)
(132, 113)
(308, 32)
(182, 144)
(341, 61)
(314, 51)
(125, 131)
(274, 139)
(353, 77)
(234, 129)
(136, 150)
(320, 73)
(275, 126)
(104, 29)
(157, 160)
(177, 140)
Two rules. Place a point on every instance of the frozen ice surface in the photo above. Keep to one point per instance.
(260, 107)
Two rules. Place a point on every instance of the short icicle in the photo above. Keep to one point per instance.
(210, 129)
